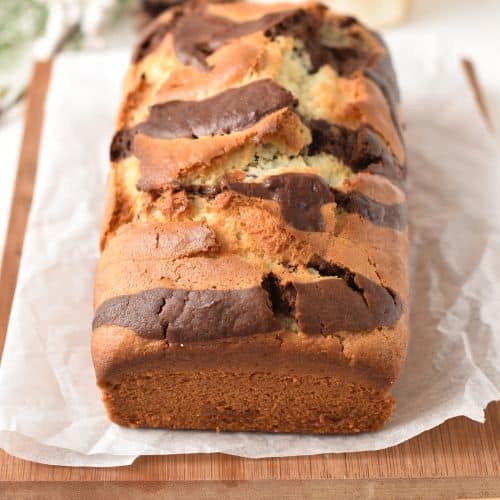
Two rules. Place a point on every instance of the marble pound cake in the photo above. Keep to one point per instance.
(253, 273)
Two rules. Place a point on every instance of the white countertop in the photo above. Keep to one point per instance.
(471, 27)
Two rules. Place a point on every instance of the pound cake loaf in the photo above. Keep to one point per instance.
(253, 274)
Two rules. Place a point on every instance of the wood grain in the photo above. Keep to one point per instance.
(425, 489)
(463, 452)
(470, 72)
(23, 191)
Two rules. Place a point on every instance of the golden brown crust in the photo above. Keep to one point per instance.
(163, 161)
(228, 66)
(118, 350)
(227, 208)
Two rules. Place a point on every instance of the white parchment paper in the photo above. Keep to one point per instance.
(50, 409)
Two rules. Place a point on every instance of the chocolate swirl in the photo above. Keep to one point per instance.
(230, 111)
(345, 302)
(301, 197)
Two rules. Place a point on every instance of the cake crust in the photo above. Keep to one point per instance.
(253, 274)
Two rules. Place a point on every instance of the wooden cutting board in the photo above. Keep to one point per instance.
(459, 459)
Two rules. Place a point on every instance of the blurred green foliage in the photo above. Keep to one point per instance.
(20, 21)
